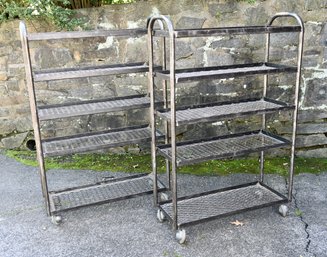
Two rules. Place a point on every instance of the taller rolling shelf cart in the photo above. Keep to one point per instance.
(209, 205)
(103, 191)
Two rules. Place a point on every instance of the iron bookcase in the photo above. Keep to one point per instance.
(106, 190)
(209, 205)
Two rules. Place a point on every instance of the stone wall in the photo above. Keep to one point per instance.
(15, 123)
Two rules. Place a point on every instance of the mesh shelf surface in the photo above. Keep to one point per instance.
(92, 107)
(222, 203)
(179, 33)
(101, 193)
(229, 71)
(222, 147)
(82, 72)
(86, 34)
(95, 141)
(210, 113)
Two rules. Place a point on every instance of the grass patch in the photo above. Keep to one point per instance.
(142, 163)
(298, 212)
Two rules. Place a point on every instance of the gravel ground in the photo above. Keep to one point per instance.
(130, 227)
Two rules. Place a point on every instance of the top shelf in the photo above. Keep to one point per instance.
(86, 34)
(180, 33)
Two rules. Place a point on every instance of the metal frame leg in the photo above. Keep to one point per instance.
(34, 114)
(169, 26)
(297, 91)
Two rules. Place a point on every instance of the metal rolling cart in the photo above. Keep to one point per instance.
(197, 208)
(103, 191)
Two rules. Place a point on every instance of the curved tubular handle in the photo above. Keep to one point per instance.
(169, 26)
(297, 92)
(165, 91)
(163, 20)
(288, 14)
(161, 24)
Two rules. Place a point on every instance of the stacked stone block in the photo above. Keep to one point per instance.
(15, 123)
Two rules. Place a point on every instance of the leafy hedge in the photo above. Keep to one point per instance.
(58, 12)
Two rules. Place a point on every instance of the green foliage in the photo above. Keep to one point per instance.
(12, 10)
(218, 15)
(55, 12)
(77, 4)
(298, 212)
(142, 163)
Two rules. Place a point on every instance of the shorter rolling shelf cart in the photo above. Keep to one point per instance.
(204, 206)
(107, 190)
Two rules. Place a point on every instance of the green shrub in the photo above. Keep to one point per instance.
(58, 12)
(54, 12)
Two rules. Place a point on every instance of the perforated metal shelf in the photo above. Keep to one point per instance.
(223, 202)
(108, 191)
(207, 113)
(86, 34)
(96, 141)
(228, 71)
(82, 72)
(222, 147)
(179, 33)
(49, 112)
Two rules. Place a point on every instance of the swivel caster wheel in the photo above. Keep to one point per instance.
(163, 197)
(56, 219)
(160, 216)
(283, 210)
(181, 236)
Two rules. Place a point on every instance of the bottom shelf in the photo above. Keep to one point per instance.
(209, 205)
(102, 192)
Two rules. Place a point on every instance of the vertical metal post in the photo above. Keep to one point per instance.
(297, 92)
(264, 94)
(296, 104)
(172, 105)
(34, 114)
(152, 114)
(165, 100)
(173, 128)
